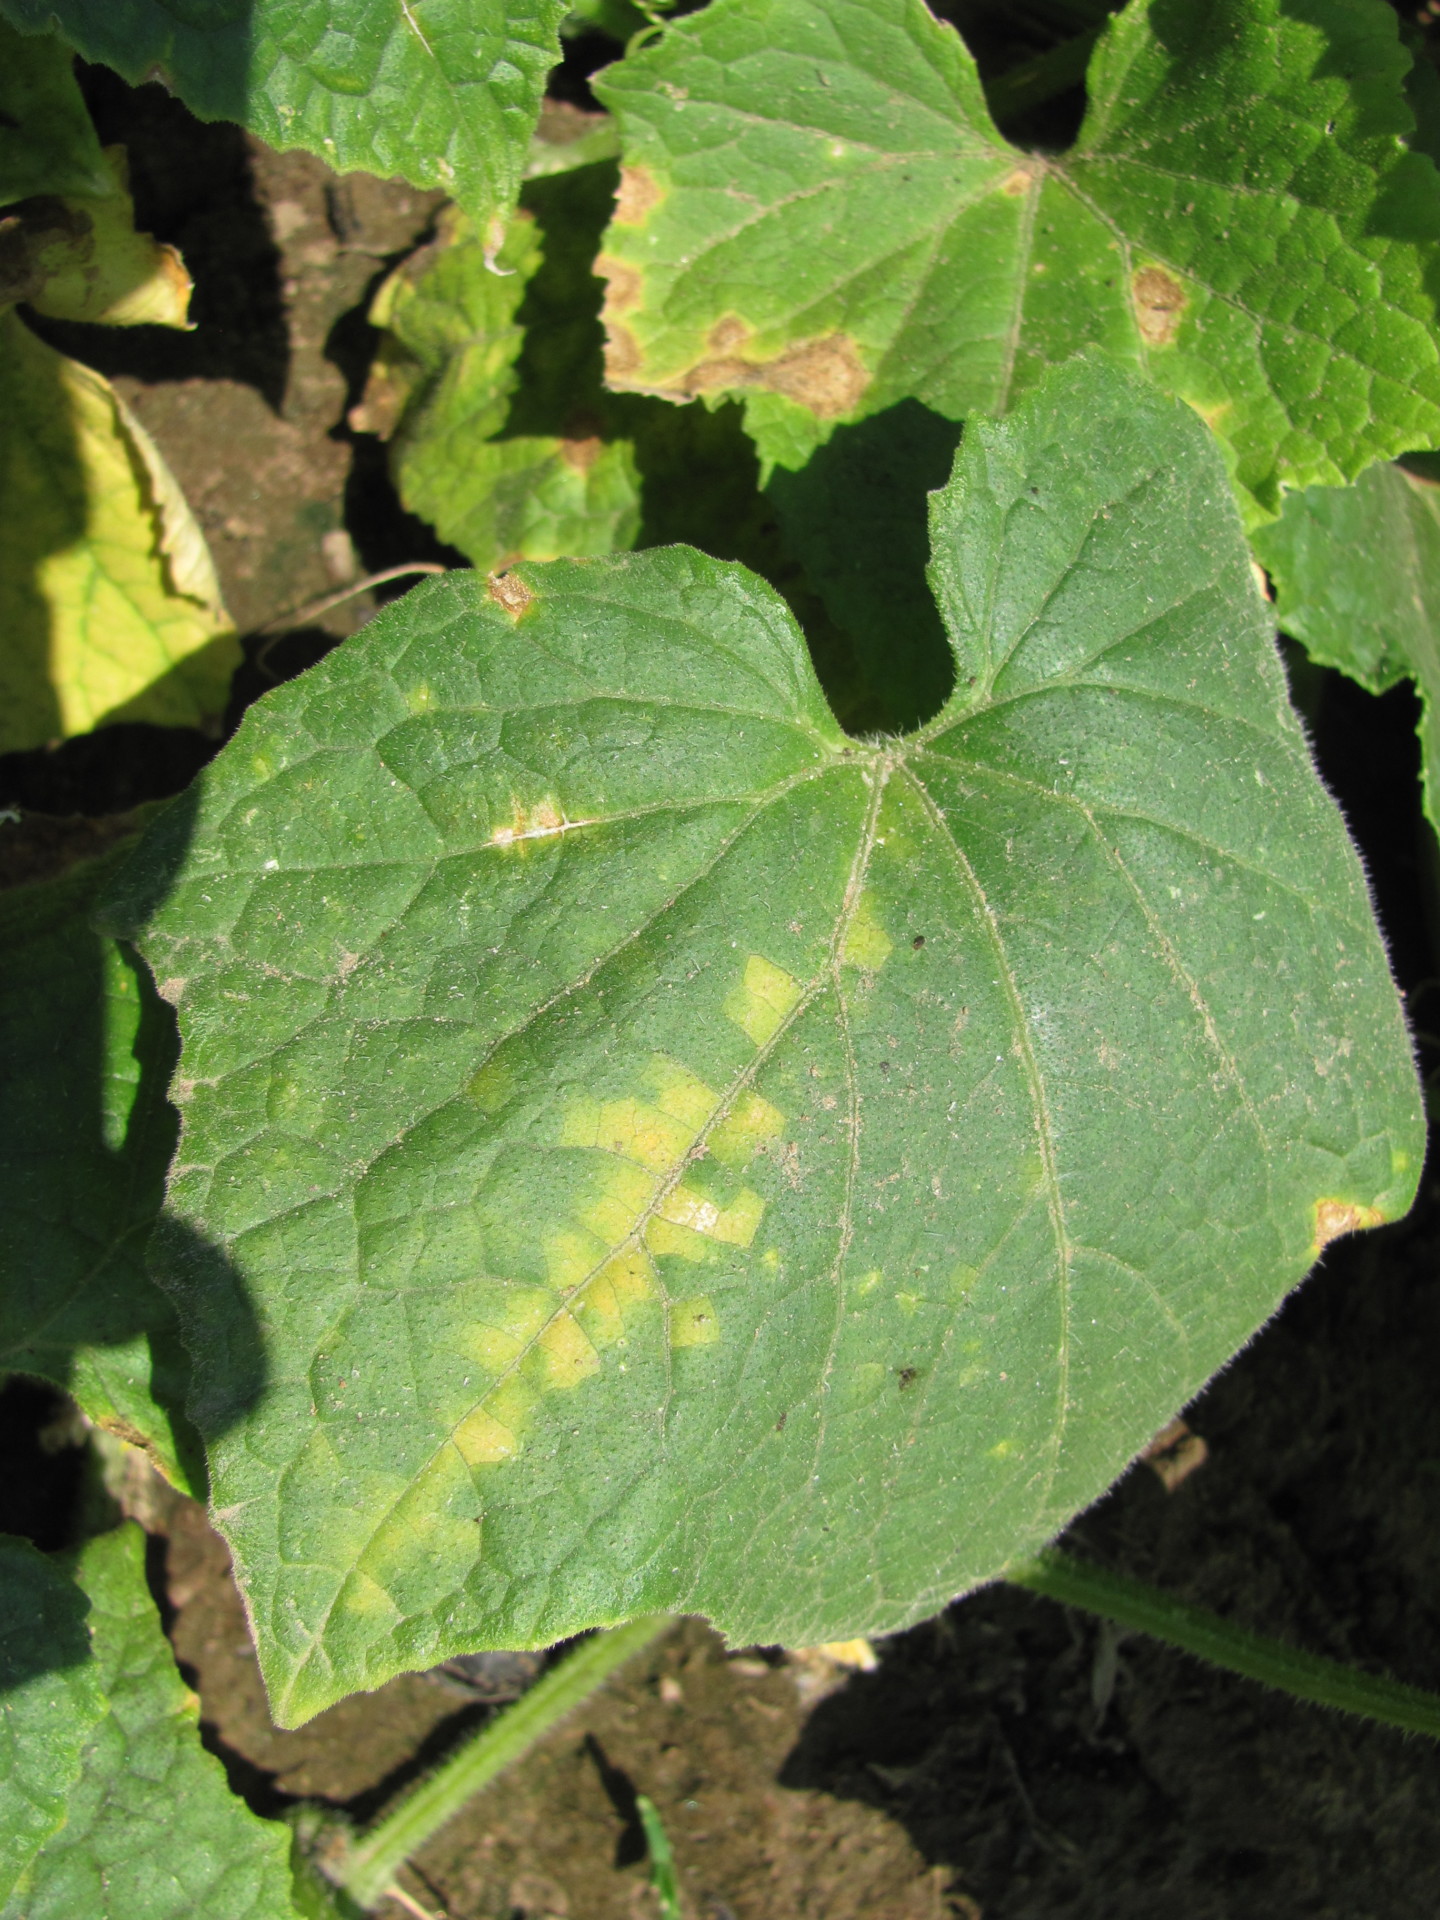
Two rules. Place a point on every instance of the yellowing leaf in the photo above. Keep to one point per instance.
(109, 605)
(81, 258)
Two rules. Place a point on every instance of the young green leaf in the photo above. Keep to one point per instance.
(47, 139)
(50, 1701)
(151, 1830)
(818, 212)
(108, 598)
(682, 1158)
(444, 92)
(86, 1049)
(1357, 580)
(447, 373)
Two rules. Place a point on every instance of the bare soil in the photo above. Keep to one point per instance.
(1007, 1759)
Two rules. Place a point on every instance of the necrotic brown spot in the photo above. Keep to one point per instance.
(638, 194)
(509, 591)
(1160, 300)
(1336, 1217)
(824, 375)
(622, 354)
(623, 284)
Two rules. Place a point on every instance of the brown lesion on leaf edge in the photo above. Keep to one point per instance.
(624, 283)
(1160, 303)
(509, 591)
(638, 196)
(826, 374)
(1334, 1218)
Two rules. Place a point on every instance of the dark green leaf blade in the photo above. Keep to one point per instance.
(444, 92)
(820, 214)
(50, 1701)
(1357, 580)
(48, 142)
(151, 1829)
(86, 1049)
(683, 1159)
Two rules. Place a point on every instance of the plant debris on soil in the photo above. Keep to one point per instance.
(1008, 1759)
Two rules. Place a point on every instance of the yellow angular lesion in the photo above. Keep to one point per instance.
(693, 1323)
(621, 1194)
(481, 1440)
(748, 1125)
(497, 1343)
(362, 1598)
(632, 1129)
(621, 1284)
(664, 1237)
(734, 1224)
(866, 945)
(571, 1256)
(599, 1258)
(762, 1000)
(568, 1354)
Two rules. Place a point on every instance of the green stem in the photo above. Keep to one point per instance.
(375, 1859)
(1131, 1603)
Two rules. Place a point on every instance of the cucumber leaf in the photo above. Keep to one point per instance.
(818, 212)
(86, 1050)
(447, 375)
(681, 1157)
(1357, 581)
(108, 598)
(80, 257)
(443, 92)
(48, 143)
(50, 1702)
(151, 1830)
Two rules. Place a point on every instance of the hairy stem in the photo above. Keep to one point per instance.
(1131, 1603)
(374, 1859)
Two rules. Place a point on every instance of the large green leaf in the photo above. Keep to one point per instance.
(151, 1831)
(681, 1157)
(818, 212)
(50, 1701)
(445, 92)
(1357, 579)
(86, 1049)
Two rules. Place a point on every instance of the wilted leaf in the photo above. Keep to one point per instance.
(81, 258)
(151, 1830)
(1357, 579)
(818, 213)
(683, 1158)
(445, 381)
(445, 92)
(86, 1050)
(108, 599)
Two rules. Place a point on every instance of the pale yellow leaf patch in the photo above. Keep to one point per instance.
(108, 600)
